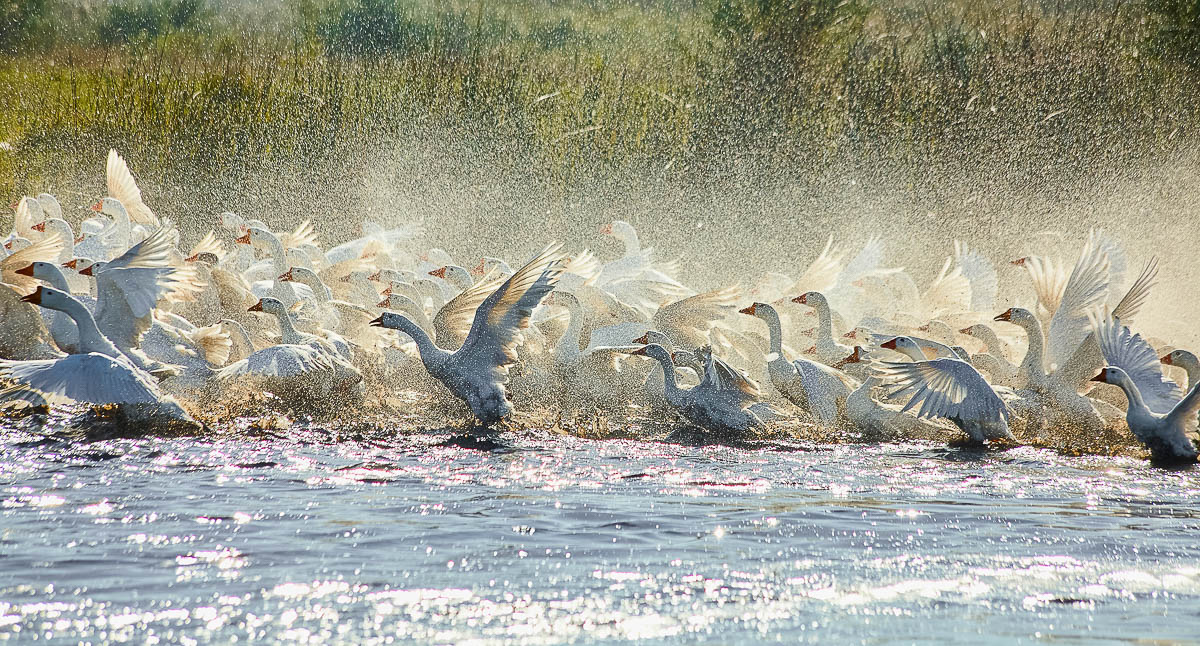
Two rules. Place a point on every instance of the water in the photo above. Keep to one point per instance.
(557, 539)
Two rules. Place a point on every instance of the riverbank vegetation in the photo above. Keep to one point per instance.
(214, 90)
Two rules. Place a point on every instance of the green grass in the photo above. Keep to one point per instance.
(572, 88)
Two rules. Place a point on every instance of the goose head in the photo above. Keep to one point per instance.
(257, 237)
(623, 231)
(390, 320)
(905, 346)
(652, 337)
(1109, 375)
(654, 351)
(270, 305)
(812, 299)
(1180, 358)
(50, 298)
(1017, 315)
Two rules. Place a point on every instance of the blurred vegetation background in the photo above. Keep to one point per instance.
(204, 95)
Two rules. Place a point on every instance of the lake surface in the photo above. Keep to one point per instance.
(555, 539)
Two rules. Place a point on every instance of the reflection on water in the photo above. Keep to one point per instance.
(564, 539)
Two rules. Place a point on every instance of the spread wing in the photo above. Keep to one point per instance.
(1049, 281)
(90, 378)
(1085, 293)
(45, 250)
(980, 272)
(823, 273)
(153, 252)
(122, 187)
(1132, 302)
(496, 330)
(944, 388)
(1131, 353)
(949, 292)
(453, 321)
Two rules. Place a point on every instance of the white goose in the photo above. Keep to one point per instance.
(951, 389)
(722, 410)
(98, 374)
(1159, 415)
(1187, 361)
(477, 371)
(827, 350)
(814, 387)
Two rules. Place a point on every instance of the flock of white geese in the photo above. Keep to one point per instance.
(110, 312)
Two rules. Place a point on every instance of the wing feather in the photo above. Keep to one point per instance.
(1131, 353)
(122, 186)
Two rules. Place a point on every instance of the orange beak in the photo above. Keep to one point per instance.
(1020, 262)
(79, 239)
(87, 271)
(8, 245)
(286, 276)
(244, 238)
(27, 270)
(192, 258)
(809, 331)
(98, 206)
(923, 328)
(257, 307)
(1006, 315)
(378, 322)
(72, 263)
(478, 270)
(35, 297)
(606, 229)
(1166, 358)
(644, 339)
(375, 276)
(852, 334)
(40, 226)
(890, 344)
(641, 351)
(387, 291)
(382, 303)
(965, 330)
(748, 310)
(801, 299)
(1100, 378)
(811, 350)
(440, 272)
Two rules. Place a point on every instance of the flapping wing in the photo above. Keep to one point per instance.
(1131, 353)
(823, 273)
(1084, 295)
(1132, 302)
(944, 388)
(496, 330)
(209, 244)
(303, 235)
(455, 318)
(981, 273)
(866, 262)
(153, 252)
(122, 186)
(90, 378)
(45, 250)
(950, 292)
